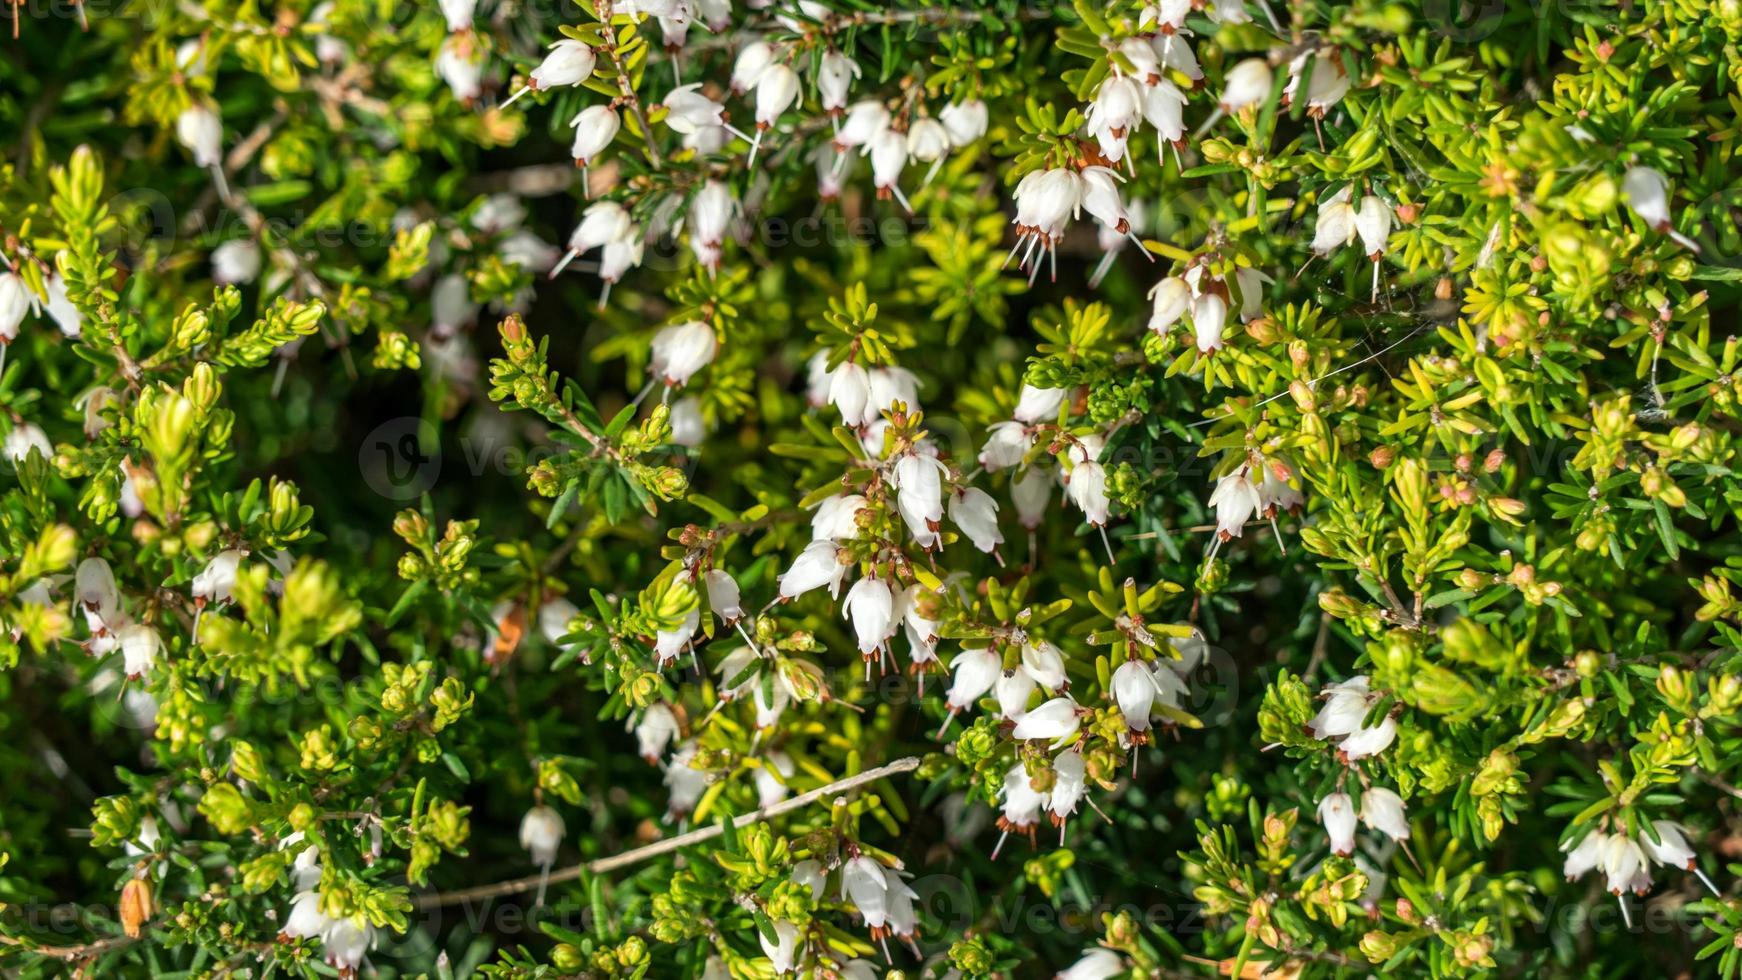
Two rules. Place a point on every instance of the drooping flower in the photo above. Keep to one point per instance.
(60, 306)
(1584, 856)
(235, 262)
(200, 130)
(24, 437)
(346, 941)
(771, 778)
(1134, 691)
(306, 920)
(1057, 719)
(215, 582)
(1046, 203)
(668, 643)
(1236, 501)
(1383, 810)
(1172, 297)
(965, 121)
(458, 14)
(595, 127)
(723, 597)
(1038, 404)
(869, 606)
(1045, 663)
(1087, 482)
(888, 150)
(96, 593)
(140, 645)
(1012, 689)
(685, 783)
(693, 115)
(570, 62)
(975, 671)
(776, 89)
(919, 496)
(850, 392)
(1095, 964)
(783, 951)
(1369, 741)
(710, 215)
(816, 566)
(1209, 319)
(14, 304)
(1330, 82)
(1671, 846)
(655, 730)
(1031, 491)
(1337, 813)
(1070, 785)
(863, 884)
(837, 517)
(1251, 283)
(1345, 707)
(1007, 444)
(865, 120)
(1247, 84)
(460, 63)
(976, 513)
(1021, 807)
(680, 350)
(835, 74)
(541, 832)
(1624, 865)
(751, 62)
(1647, 193)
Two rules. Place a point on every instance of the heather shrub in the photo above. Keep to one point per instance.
(695, 489)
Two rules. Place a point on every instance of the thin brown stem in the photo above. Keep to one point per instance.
(615, 861)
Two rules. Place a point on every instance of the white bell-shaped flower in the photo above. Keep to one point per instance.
(1236, 501)
(965, 121)
(680, 350)
(815, 567)
(974, 671)
(1247, 85)
(1057, 720)
(668, 643)
(1337, 813)
(1045, 663)
(1171, 297)
(723, 597)
(1095, 964)
(1383, 810)
(215, 582)
(1134, 691)
(870, 607)
(236, 262)
(837, 517)
(655, 730)
(751, 62)
(1038, 404)
(541, 832)
(140, 646)
(1209, 320)
(1012, 689)
(199, 129)
(1031, 492)
(570, 62)
(976, 513)
(595, 127)
(835, 74)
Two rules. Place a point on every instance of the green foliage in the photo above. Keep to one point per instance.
(439, 567)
